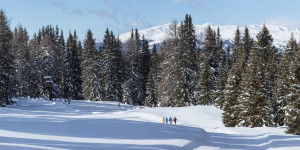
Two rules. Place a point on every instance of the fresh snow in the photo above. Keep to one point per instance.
(280, 34)
(51, 125)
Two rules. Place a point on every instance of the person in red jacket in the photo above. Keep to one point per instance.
(175, 119)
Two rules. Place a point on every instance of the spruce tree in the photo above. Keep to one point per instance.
(186, 67)
(258, 98)
(288, 88)
(60, 55)
(91, 70)
(152, 81)
(145, 64)
(292, 118)
(134, 72)
(112, 69)
(236, 46)
(248, 100)
(166, 76)
(233, 87)
(246, 46)
(168, 64)
(76, 57)
(34, 70)
(20, 50)
(6, 61)
(69, 91)
(268, 75)
(177, 83)
(72, 70)
(204, 94)
(222, 72)
(232, 91)
(207, 69)
(282, 83)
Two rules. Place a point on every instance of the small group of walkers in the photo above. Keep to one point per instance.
(169, 120)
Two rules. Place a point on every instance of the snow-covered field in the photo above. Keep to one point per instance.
(82, 125)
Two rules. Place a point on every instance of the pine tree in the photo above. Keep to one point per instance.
(44, 48)
(72, 70)
(288, 88)
(232, 107)
(292, 118)
(268, 75)
(178, 76)
(207, 69)
(258, 98)
(60, 56)
(76, 54)
(250, 96)
(91, 70)
(145, 64)
(168, 65)
(34, 70)
(68, 87)
(236, 46)
(246, 47)
(186, 67)
(204, 94)
(222, 72)
(6, 60)
(232, 89)
(282, 84)
(152, 81)
(112, 72)
(134, 72)
(20, 50)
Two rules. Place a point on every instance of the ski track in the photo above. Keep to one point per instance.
(51, 125)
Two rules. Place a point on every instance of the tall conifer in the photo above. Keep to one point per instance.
(91, 70)
(6, 60)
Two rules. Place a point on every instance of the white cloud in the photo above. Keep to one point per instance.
(66, 8)
(284, 21)
(194, 3)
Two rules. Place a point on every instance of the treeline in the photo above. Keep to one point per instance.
(252, 82)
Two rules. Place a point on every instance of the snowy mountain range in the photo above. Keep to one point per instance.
(280, 34)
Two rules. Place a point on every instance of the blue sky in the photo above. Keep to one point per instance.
(122, 15)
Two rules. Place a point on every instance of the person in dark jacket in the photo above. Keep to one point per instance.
(175, 119)
(170, 119)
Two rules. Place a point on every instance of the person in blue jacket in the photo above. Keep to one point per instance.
(167, 120)
(170, 120)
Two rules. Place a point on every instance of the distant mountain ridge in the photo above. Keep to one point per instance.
(280, 34)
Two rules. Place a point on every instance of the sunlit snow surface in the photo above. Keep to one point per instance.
(51, 125)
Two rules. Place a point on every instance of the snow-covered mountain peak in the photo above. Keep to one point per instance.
(280, 34)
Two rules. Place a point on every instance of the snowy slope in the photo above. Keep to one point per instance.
(280, 34)
(52, 125)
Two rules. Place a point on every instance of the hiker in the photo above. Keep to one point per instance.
(175, 119)
(167, 120)
(163, 120)
(170, 120)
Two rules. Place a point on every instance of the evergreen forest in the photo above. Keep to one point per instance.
(253, 82)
